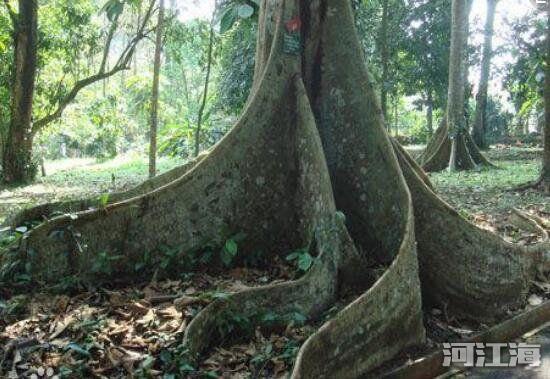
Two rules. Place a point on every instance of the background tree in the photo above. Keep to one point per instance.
(452, 146)
(205, 91)
(543, 182)
(479, 130)
(524, 79)
(17, 150)
(427, 55)
(155, 92)
(59, 96)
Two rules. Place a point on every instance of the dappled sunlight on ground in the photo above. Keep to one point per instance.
(80, 177)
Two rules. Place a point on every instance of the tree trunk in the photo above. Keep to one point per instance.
(17, 162)
(451, 146)
(545, 174)
(480, 128)
(384, 56)
(204, 93)
(155, 94)
(429, 113)
(456, 120)
(311, 141)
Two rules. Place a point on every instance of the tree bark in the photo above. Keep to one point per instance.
(17, 162)
(204, 93)
(545, 174)
(455, 95)
(308, 165)
(429, 113)
(384, 56)
(155, 93)
(451, 146)
(480, 121)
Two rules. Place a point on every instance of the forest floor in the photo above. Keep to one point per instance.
(106, 331)
(80, 177)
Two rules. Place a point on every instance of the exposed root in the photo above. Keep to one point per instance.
(308, 296)
(431, 366)
(297, 165)
(358, 338)
(405, 158)
(538, 185)
(472, 271)
(530, 222)
(458, 153)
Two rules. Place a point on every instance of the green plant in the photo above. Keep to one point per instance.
(229, 251)
(290, 351)
(103, 200)
(264, 356)
(302, 259)
(176, 362)
(103, 263)
(17, 305)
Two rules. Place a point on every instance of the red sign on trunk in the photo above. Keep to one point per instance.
(293, 25)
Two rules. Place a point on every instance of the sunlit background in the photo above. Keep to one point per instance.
(507, 11)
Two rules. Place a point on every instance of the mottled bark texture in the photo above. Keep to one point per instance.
(452, 146)
(309, 164)
(480, 121)
(155, 93)
(545, 174)
(17, 151)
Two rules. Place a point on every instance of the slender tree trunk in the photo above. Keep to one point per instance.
(384, 56)
(396, 115)
(135, 57)
(155, 94)
(204, 94)
(545, 174)
(17, 153)
(429, 113)
(480, 127)
(455, 96)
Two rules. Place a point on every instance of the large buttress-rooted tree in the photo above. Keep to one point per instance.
(309, 164)
(452, 146)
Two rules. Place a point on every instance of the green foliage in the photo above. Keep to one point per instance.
(237, 66)
(176, 362)
(15, 306)
(104, 263)
(113, 9)
(231, 11)
(524, 78)
(302, 259)
(228, 252)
